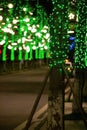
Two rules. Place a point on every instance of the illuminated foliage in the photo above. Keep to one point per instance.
(22, 31)
(59, 32)
(81, 35)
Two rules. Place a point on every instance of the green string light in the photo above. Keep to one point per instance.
(23, 29)
(4, 58)
(41, 53)
(81, 31)
(59, 32)
(20, 54)
(4, 54)
(12, 54)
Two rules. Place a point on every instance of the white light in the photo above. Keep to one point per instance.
(26, 20)
(38, 25)
(46, 27)
(47, 36)
(5, 29)
(20, 48)
(8, 30)
(14, 44)
(41, 45)
(33, 30)
(10, 5)
(43, 40)
(15, 48)
(24, 47)
(3, 23)
(23, 39)
(15, 21)
(27, 48)
(77, 18)
(9, 47)
(7, 19)
(33, 26)
(34, 18)
(38, 34)
(4, 37)
(2, 42)
(9, 25)
(71, 16)
(17, 17)
(70, 31)
(1, 18)
(29, 40)
(1, 8)
(25, 33)
(15, 27)
(45, 47)
(34, 47)
(29, 28)
(24, 9)
(44, 31)
(30, 13)
(19, 41)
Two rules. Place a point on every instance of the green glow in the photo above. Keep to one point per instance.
(26, 55)
(4, 58)
(86, 60)
(4, 54)
(47, 54)
(58, 32)
(21, 27)
(81, 30)
(12, 54)
(20, 55)
(41, 53)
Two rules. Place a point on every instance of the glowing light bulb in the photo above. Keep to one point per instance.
(10, 5)
(1, 18)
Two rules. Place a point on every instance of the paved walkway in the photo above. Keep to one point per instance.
(69, 124)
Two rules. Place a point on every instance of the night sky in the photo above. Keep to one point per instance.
(47, 4)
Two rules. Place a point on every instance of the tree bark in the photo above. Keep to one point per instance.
(55, 100)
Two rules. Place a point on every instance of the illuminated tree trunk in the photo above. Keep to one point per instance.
(80, 54)
(12, 57)
(58, 46)
(4, 58)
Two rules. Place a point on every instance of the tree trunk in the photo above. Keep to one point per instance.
(55, 100)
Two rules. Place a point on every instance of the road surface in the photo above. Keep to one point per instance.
(18, 92)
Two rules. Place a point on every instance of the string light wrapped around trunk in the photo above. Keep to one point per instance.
(81, 35)
(59, 32)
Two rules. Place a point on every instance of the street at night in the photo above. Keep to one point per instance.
(18, 92)
(43, 65)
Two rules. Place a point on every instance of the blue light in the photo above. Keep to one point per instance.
(72, 38)
(72, 46)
